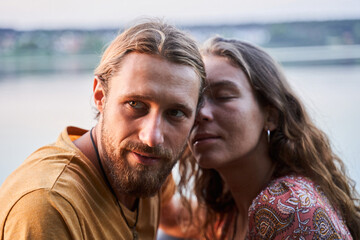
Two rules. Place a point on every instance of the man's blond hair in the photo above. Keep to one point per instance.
(154, 38)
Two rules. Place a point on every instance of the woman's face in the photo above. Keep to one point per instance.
(231, 124)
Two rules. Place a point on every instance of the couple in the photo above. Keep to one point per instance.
(261, 168)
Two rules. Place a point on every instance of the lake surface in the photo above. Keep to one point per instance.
(36, 108)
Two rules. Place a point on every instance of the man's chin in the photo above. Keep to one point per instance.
(143, 191)
(143, 194)
(140, 180)
(141, 184)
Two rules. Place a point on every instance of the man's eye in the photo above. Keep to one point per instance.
(136, 104)
(176, 113)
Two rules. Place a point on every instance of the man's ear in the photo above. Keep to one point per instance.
(99, 94)
(271, 118)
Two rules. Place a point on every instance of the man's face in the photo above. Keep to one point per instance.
(145, 120)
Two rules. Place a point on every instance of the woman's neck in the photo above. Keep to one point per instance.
(245, 180)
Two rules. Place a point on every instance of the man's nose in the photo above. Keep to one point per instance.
(151, 132)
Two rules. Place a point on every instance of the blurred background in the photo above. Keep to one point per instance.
(49, 48)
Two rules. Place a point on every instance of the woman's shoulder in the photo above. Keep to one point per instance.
(285, 188)
(286, 193)
(294, 206)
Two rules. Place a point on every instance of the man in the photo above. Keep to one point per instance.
(105, 183)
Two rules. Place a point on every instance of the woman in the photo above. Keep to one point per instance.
(264, 170)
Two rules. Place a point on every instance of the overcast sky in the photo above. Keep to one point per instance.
(30, 14)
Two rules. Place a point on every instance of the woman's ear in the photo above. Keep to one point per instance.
(271, 118)
(99, 94)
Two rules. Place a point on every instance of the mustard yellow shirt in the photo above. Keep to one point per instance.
(57, 193)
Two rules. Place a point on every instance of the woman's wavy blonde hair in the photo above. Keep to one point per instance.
(296, 146)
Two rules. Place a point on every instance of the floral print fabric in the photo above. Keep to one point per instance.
(293, 207)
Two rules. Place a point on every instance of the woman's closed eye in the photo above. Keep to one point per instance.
(225, 95)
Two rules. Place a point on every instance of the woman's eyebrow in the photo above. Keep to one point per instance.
(222, 83)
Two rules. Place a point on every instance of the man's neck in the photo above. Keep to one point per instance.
(85, 145)
(129, 202)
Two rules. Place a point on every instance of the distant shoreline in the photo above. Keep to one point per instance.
(295, 56)
(78, 50)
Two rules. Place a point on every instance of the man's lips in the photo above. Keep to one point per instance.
(202, 137)
(145, 158)
(148, 155)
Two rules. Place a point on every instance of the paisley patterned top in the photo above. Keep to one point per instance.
(293, 207)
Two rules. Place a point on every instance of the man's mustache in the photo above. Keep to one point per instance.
(157, 151)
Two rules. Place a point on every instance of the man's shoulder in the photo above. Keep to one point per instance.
(41, 170)
(52, 179)
(35, 211)
(38, 203)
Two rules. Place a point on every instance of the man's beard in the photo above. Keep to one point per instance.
(139, 180)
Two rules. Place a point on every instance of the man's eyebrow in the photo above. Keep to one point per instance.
(139, 97)
(183, 106)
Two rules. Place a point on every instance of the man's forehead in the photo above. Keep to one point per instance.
(155, 67)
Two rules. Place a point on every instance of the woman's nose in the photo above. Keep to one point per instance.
(205, 112)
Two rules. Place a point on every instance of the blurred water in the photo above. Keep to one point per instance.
(36, 108)
(331, 95)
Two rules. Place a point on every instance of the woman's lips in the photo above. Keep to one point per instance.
(204, 138)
